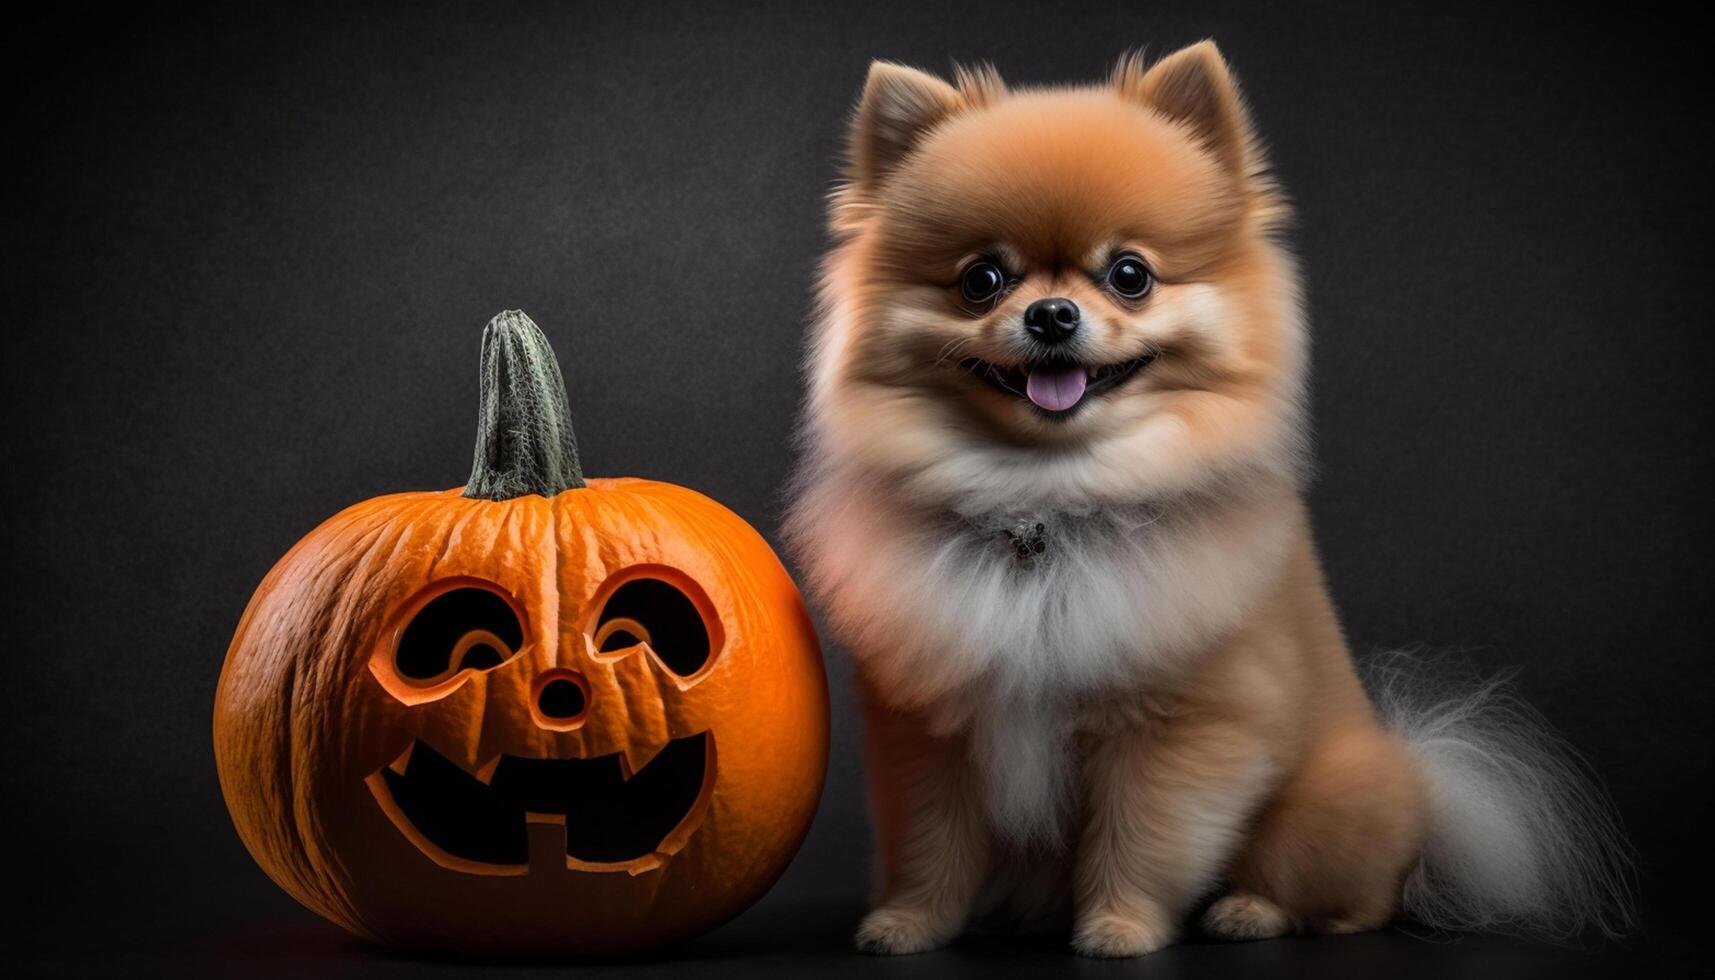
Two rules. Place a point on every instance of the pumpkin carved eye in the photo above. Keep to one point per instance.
(466, 628)
(653, 611)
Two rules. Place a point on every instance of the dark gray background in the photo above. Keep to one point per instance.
(248, 253)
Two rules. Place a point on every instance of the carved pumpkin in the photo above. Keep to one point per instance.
(535, 715)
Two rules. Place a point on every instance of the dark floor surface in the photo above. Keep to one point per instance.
(799, 939)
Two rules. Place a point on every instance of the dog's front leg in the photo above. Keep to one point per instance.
(1166, 804)
(930, 827)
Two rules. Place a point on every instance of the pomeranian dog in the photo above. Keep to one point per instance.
(1052, 498)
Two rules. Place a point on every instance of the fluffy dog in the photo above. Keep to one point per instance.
(1052, 498)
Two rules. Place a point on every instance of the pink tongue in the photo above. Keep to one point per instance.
(1056, 388)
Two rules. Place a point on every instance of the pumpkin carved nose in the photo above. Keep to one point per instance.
(561, 697)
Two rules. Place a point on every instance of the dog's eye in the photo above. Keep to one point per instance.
(981, 281)
(1129, 277)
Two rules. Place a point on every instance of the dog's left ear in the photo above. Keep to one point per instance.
(899, 106)
(1193, 87)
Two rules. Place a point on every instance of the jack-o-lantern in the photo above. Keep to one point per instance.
(534, 715)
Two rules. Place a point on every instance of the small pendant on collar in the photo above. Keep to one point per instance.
(1029, 541)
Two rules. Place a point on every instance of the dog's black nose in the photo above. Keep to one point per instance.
(1051, 321)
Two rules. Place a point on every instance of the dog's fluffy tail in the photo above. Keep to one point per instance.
(1522, 838)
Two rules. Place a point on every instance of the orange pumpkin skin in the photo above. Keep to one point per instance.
(310, 710)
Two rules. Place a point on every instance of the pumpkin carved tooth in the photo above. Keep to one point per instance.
(485, 773)
(400, 749)
(637, 756)
(402, 763)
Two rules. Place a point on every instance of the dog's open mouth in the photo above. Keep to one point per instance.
(1055, 387)
(613, 820)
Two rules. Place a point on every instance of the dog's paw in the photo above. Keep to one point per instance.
(1108, 935)
(1241, 917)
(892, 932)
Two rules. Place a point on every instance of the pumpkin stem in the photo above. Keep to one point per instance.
(524, 441)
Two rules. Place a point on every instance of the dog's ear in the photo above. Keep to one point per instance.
(1193, 87)
(899, 106)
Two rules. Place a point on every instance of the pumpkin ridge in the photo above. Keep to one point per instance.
(321, 875)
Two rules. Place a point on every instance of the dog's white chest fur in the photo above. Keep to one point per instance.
(947, 617)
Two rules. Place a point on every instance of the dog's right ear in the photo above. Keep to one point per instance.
(1194, 88)
(899, 106)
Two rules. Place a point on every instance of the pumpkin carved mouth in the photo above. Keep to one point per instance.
(613, 821)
